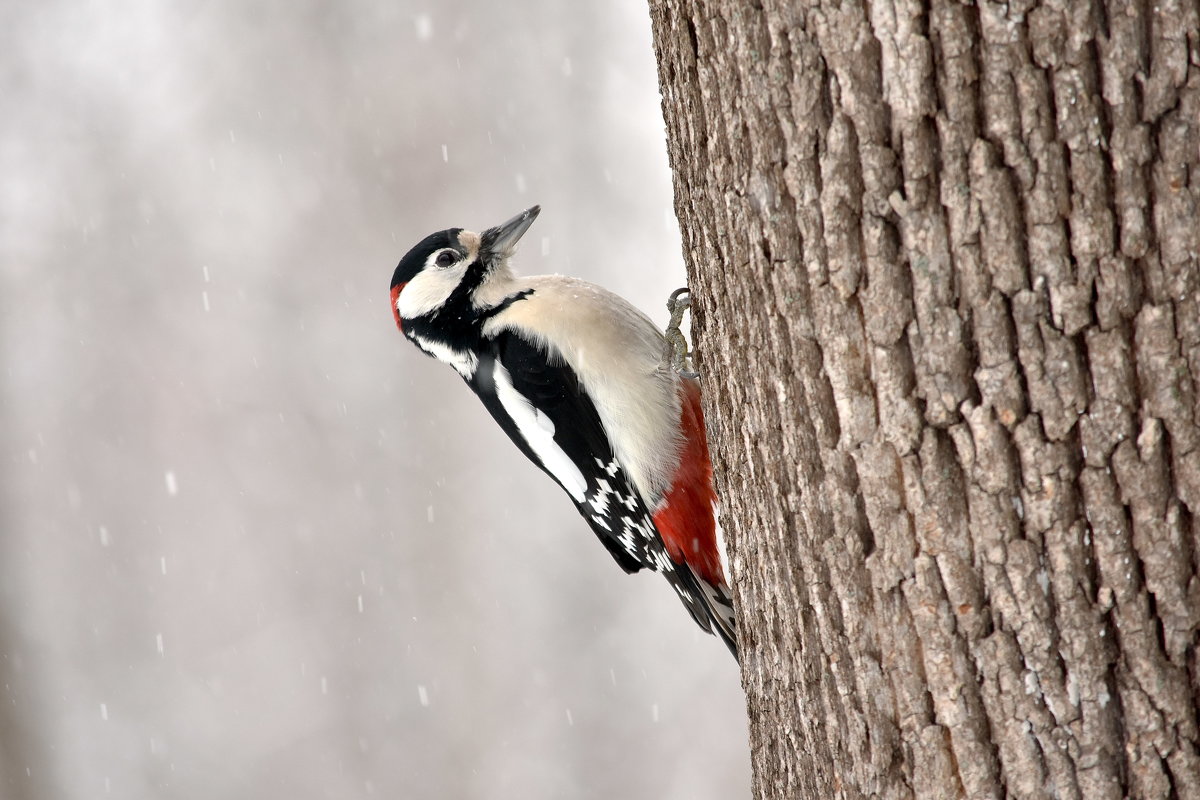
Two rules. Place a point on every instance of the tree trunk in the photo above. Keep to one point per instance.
(945, 281)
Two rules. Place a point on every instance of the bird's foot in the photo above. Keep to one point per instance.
(676, 351)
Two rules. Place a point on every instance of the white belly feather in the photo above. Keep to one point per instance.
(616, 352)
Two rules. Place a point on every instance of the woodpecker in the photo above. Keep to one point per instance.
(578, 379)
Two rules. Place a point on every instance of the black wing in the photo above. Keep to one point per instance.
(607, 499)
(610, 504)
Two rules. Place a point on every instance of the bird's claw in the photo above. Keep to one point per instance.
(673, 302)
(676, 351)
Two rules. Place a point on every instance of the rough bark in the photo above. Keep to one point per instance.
(947, 305)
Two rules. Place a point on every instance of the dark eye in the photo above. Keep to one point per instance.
(446, 258)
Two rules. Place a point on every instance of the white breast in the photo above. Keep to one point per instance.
(616, 351)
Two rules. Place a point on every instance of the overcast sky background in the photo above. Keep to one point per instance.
(252, 543)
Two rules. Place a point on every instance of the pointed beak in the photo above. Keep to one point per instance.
(500, 242)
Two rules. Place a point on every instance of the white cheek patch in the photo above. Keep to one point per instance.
(429, 290)
(538, 431)
(464, 362)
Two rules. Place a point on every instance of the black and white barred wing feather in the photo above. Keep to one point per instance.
(540, 403)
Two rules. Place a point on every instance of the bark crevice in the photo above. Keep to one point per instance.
(953, 378)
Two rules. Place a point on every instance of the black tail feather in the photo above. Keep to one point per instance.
(711, 606)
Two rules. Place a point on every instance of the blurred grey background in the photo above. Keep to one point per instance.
(252, 543)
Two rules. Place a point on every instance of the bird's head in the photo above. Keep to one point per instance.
(455, 272)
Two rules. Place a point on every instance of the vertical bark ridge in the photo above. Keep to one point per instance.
(944, 262)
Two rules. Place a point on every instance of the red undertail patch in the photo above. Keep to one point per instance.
(685, 517)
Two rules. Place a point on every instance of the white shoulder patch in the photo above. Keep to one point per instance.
(538, 431)
(464, 362)
(616, 352)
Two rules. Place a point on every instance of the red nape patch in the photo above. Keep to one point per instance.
(399, 287)
(685, 518)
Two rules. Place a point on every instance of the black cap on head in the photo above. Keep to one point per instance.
(414, 260)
